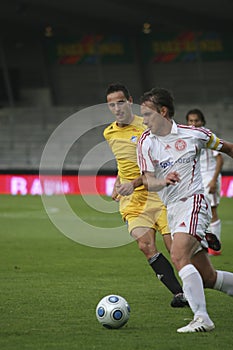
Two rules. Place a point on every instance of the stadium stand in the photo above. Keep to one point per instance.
(24, 133)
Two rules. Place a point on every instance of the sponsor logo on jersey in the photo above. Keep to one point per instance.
(168, 163)
(134, 139)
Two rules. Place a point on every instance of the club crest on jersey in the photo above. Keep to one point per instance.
(134, 139)
(180, 145)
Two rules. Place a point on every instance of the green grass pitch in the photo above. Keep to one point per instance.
(50, 286)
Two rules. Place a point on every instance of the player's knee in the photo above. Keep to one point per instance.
(146, 248)
(143, 246)
(177, 261)
(174, 258)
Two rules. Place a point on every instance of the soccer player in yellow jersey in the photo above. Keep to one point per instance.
(143, 211)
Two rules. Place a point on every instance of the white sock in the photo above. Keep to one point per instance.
(224, 282)
(194, 291)
(215, 228)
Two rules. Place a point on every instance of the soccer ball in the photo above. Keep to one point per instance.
(113, 311)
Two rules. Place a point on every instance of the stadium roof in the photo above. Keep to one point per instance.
(30, 17)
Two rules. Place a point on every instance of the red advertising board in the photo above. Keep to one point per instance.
(72, 184)
(54, 184)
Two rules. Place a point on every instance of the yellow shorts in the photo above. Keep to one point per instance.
(144, 209)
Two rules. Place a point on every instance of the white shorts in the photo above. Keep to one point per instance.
(191, 216)
(213, 198)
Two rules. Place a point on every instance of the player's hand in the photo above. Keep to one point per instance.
(212, 187)
(172, 178)
(125, 189)
(115, 196)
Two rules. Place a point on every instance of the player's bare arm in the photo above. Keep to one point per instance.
(127, 188)
(149, 181)
(115, 195)
(213, 183)
(227, 148)
(154, 184)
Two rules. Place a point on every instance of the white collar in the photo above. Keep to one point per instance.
(174, 130)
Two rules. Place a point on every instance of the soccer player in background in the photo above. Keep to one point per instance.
(211, 166)
(169, 160)
(143, 212)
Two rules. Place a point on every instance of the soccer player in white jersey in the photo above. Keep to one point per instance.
(211, 166)
(169, 159)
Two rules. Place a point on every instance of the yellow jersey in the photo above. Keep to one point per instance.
(141, 208)
(123, 143)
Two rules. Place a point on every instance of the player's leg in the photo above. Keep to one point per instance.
(161, 225)
(203, 264)
(145, 238)
(183, 247)
(140, 211)
(213, 243)
(215, 228)
(218, 280)
(179, 299)
(193, 214)
(167, 240)
(215, 224)
(163, 269)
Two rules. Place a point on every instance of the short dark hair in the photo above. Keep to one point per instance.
(114, 87)
(199, 113)
(160, 97)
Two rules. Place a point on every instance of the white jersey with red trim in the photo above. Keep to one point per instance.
(208, 161)
(178, 151)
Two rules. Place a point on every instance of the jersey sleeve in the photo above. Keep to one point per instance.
(208, 139)
(214, 142)
(216, 153)
(105, 133)
(144, 159)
